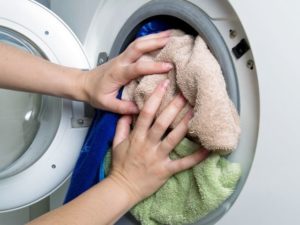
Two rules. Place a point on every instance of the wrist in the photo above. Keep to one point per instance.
(78, 88)
(126, 187)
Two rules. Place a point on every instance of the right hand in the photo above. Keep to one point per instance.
(141, 162)
(100, 86)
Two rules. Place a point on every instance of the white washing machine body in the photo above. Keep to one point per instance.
(268, 97)
(269, 93)
(50, 151)
(271, 194)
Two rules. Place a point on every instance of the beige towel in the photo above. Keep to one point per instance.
(198, 76)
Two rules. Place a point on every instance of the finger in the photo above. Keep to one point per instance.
(165, 119)
(176, 135)
(150, 108)
(122, 130)
(122, 106)
(143, 67)
(139, 47)
(162, 34)
(188, 161)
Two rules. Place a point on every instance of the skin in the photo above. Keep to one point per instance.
(141, 162)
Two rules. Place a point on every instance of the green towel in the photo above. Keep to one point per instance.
(189, 195)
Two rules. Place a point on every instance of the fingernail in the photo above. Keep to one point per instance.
(181, 97)
(205, 151)
(135, 110)
(167, 32)
(166, 83)
(191, 113)
(168, 66)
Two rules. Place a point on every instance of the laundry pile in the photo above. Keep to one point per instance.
(198, 76)
(189, 195)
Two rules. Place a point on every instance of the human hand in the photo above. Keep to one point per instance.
(141, 162)
(101, 85)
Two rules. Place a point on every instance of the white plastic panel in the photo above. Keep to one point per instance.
(216, 9)
(101, 33)
(271, 194)
(72, 11)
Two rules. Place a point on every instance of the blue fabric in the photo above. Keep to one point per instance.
(153, 26)
(98, 140)
(89, 168)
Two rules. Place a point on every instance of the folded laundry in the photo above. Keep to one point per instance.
(198, 76)
(189, 195)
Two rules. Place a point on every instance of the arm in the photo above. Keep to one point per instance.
(141, 164)
(22, 71)
(101, 205)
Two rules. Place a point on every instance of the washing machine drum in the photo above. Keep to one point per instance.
(39, 137)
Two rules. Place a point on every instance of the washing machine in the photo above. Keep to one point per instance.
(256, 44)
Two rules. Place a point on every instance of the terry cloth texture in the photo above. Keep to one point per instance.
(198, 76)
(189, 195)
(89, 166)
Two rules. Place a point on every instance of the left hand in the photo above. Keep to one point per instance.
(141, 162)
(101, 85)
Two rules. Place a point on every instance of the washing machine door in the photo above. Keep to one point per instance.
(40, 136)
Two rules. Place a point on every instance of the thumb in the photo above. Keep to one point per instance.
(145, 67)
(188, 161)
(122, 130)
(123, 106)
